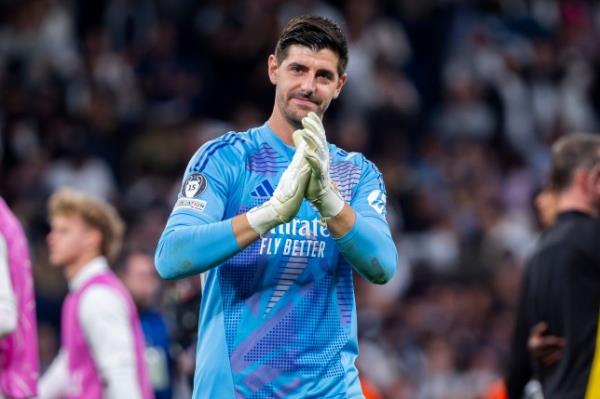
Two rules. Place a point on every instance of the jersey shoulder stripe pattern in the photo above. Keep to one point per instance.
(228, 139)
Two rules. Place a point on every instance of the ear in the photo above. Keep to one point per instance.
(272, 68)
(340, 84)
(93, 238)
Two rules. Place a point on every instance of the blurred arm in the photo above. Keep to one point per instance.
(8, 303)
(107, 327)
(519, 367)
(54, 382)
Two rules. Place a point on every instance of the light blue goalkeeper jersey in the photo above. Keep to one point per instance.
(278, 319)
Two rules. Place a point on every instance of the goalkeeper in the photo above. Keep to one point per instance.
(275, 219)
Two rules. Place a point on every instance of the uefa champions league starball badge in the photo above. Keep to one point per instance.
(194, 185)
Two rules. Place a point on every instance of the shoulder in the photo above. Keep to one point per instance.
(568, 236)
(338, 154)
(586, 235)
(573, 229)
(10, 225)
(356, 159)
(230, 147)
(101, 300)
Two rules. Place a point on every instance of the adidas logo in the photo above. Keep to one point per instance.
(263, 190)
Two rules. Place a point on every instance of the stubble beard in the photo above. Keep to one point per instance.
(293, 118)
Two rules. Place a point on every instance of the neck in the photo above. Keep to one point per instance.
(574, 201)
(281, 126)
(74, 267)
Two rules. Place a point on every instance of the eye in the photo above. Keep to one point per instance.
(325, 78)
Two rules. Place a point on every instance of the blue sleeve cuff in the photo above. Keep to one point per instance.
(369, 248)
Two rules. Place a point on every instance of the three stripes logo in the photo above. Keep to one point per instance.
(263, 190)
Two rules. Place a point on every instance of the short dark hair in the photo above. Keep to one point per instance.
(316, 33)
(572, 152)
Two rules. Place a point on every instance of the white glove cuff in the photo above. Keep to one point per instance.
(263, 218)
(331, 204)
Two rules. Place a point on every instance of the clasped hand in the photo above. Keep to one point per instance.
(320, 191)
(307, 176)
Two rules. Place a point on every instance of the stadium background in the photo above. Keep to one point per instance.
(456, 101)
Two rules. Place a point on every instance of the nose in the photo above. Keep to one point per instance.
(308, 84)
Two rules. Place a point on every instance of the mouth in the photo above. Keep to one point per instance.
(304, 101)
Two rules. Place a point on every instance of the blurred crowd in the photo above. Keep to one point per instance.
(456, 101)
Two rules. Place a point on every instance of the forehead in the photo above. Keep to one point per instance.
(321, 59)
(67, 219)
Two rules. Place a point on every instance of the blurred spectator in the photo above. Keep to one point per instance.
(77, 167)
(373, 39)
(102, 345)
(41, 32)
(559, 297)
(139, 276)
(19, 364)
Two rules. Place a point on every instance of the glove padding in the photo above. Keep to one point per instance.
(321, 191)
(287, 197)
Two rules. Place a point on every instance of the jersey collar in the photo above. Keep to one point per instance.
(268, 136)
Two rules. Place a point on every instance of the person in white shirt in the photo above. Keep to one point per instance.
(101, 353)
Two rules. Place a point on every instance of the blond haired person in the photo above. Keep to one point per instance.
(102, 345)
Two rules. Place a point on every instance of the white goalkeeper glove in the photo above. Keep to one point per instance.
(321, 191)
(287, 197)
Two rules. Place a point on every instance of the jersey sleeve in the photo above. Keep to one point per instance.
(369, 246)
(207, 181)
(197, 237)
(370, 198)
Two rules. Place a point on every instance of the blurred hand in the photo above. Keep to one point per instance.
(545, 349)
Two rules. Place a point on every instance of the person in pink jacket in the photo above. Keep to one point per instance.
(19, 364)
